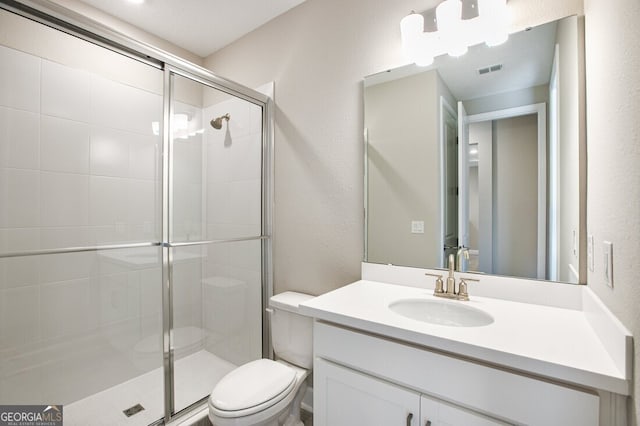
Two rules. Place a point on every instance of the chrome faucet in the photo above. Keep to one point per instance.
(449, 290)
(462, 259)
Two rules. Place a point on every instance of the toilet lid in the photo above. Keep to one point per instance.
(253, 384)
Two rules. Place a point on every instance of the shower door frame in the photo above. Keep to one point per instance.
(58, 17)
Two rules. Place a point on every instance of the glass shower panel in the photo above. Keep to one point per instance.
(79, 169)
(217, 309)
(83, 330)
(217, 164)
(79, 151)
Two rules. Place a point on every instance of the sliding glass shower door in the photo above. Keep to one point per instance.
(215, 228)
(80, 262)
(134, 227)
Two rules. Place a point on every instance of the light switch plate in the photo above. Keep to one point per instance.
(608, 263)
(590, 252)
(417, 226)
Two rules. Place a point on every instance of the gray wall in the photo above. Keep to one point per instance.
(401, 117)
(481, 133)
(318, 69)
(569, 148)
(515, 98)
(515, 203)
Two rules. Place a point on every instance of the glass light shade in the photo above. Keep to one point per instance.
(180, 122)
(449, 15)
(423, 54)
(415, 43)
(411, 26)
(494, 18)
(450, 25)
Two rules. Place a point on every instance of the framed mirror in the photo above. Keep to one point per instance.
(483, 157)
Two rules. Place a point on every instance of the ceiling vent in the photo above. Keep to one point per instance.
(489, 69)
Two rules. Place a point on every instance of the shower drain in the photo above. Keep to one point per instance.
(133, 410)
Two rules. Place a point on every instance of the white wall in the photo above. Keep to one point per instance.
(613, 152)
(127, 29)
(318, 70)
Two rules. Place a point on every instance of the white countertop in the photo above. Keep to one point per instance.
(547, 341)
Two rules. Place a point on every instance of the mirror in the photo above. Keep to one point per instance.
(483, 152)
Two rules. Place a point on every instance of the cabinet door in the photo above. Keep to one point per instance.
(343, 397)
(434, 412)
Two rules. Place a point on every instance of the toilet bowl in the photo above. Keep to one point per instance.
(266, 392)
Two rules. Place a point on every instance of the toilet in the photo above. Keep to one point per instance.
(267, 392)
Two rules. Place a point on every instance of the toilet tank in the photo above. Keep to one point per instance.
(291, 333)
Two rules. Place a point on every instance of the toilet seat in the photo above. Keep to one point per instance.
(252, 388)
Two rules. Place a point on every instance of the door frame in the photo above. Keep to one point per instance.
(445, 108)
(540, 110)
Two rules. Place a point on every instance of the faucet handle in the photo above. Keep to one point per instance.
(439, 283)
(463, 292)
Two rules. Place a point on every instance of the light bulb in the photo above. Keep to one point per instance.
(494, 18)
(416, 44)
(411, 25)
(450, 25)
(423, 54)
(448, 15)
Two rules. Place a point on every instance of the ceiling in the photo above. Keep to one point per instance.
(526, 61)
(199, 26)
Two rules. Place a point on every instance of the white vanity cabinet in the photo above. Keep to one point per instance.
(364, 379)
(434, 412)
(350, 398)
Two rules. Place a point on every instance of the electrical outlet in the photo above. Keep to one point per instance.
(590, 252)
(608, 263)
(417, 226)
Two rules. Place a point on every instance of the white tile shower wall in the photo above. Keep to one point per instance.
(92, 135)
(233, 171)
(78, 166)
(187, 176)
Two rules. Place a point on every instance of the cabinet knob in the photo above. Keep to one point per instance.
(409, 418)
(428, 423)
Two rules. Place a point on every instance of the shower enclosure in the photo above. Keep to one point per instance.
(135, 222)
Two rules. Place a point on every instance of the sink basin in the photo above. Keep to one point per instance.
(441, 312)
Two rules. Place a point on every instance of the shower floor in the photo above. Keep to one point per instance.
(195, 376)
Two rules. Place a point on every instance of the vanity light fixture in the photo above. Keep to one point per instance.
(454, 33)
(451, 27)
(416, 43)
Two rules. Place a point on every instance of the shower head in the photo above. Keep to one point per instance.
(216, 123)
